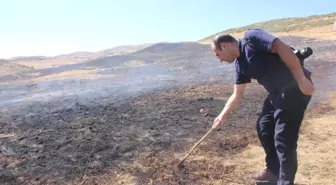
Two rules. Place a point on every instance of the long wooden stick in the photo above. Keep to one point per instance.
(185, 157)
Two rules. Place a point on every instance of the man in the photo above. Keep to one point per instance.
(264, 57)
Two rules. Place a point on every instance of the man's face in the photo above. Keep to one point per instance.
(226, 53)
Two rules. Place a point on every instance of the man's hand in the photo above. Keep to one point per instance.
(230, 105)
(293, 63)
(218, 122)
(306, 86)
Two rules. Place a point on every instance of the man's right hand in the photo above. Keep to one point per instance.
(306, 87)
(218, 122)
(230, 105)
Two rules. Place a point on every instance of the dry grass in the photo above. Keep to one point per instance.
(67, 75)
(323, 33)
(42, 64)
(249, 161)
(316, 155)
(332, 98)
(135, 63)
(317, 152)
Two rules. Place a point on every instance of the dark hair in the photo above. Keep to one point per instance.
(220, 38)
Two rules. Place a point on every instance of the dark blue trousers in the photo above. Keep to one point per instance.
(278, 130)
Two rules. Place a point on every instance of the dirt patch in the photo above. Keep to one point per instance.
(228, 146)
(157, 171)
(321, 109)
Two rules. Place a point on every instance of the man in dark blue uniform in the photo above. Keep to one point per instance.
(264, 57)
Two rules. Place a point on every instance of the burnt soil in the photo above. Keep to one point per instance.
(139, 137)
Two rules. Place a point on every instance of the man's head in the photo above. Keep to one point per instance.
(225, 47)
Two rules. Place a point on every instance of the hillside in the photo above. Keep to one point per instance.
(7, 67)
(315, 26)
(86, 55)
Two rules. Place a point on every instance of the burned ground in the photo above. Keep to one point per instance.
(148, 131)
(143, 138)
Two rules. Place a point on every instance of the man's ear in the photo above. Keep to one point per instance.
(223, 45)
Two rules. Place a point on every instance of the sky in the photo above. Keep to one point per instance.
(49, 28)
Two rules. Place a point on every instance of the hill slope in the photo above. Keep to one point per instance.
(316, 26)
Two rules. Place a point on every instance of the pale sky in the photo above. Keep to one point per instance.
(39, 27)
